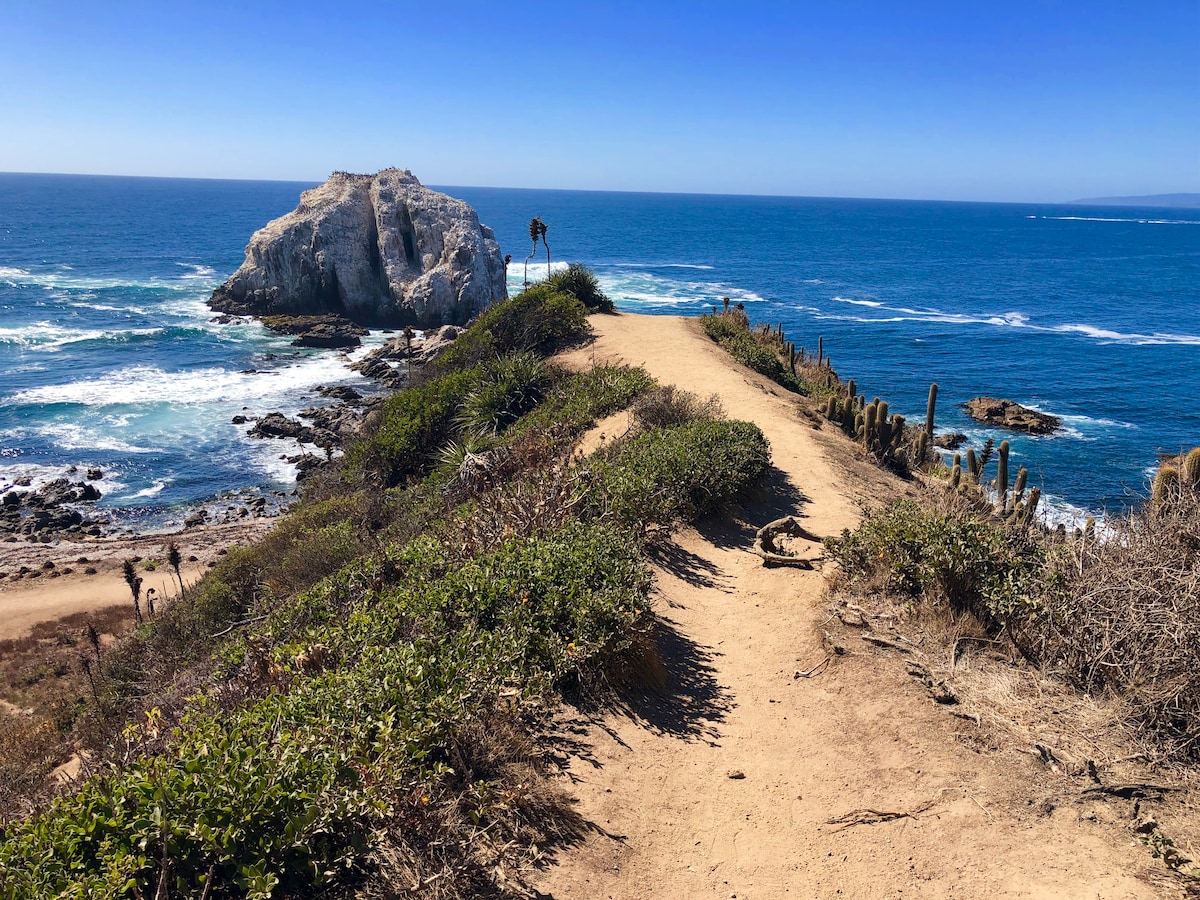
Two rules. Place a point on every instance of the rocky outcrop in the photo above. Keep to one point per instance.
(379, 249)
(1011, 415)
(330, 332)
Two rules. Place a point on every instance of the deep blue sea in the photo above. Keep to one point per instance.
(108, 357)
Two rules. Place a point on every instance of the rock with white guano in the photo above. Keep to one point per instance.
(379, 249)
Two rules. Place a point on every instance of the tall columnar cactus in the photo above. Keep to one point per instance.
(1166, 487)
(972, 465)
(929, 409)
(871, 412)
(1029, 509)
(1019, 487)
(851, 389)
(956, 475)
(820, 350)
(1190, 471)
(1002, 477)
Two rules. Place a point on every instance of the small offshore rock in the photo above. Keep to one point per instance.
(951, 440)
(1011, 415)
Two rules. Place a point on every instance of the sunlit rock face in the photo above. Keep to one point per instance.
(379, 249)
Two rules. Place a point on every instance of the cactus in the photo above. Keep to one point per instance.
(929, 408)
(851, 389)
(1166, 486)
(1002, 477)
(820, 350)
(1019, 488)
(922, 448)
(1189, 473)
(973, 467)
(955, 475)
(1029, 509)
(870, 413)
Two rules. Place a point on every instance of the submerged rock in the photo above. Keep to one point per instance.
(1011, 415)
(379, 249)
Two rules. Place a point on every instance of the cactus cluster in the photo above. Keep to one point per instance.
(1016, 508)
(881, 435)
(1175, 478)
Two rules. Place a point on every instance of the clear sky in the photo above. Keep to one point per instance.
(1012, 100)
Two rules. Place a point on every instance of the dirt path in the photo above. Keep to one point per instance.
(724, 785)
(26, 600)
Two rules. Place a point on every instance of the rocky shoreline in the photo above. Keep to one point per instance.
(64, 509)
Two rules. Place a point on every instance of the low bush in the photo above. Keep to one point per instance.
(578, 281)
(732, 331)
(1116, 612)
(538, 320)
(666, 405)
(297, 792)
(682, 472)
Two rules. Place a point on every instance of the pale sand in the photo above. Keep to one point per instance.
(27, 602)
(667, 817)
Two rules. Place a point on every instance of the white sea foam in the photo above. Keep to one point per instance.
(872, 303)
(47, 337)
(196, 387)
(671, 265)
(155, 488)
(207, 273)
(73, 436)
(1104, 219)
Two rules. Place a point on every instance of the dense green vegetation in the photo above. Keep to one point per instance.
(349, 708)
(757, 350)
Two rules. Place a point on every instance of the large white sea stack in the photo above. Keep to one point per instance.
(379, 249)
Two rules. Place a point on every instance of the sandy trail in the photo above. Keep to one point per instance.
(724, 784)
(26, 601)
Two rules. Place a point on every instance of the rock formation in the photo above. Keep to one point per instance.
(379, 249)
(1011, 415)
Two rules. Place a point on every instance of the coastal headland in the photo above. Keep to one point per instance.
(793, 748)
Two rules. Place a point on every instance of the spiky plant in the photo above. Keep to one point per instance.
(175, 560)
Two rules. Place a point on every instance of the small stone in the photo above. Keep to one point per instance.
(735, 774)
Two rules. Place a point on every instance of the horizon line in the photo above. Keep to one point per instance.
(1076, 202)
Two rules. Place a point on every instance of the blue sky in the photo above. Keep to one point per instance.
(1015, 100)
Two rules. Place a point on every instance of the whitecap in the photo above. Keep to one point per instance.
(872, 303)
(1129, 221)
(650, 265)
(195, 387)
(198, 271)
(69, 436)
(155, 488)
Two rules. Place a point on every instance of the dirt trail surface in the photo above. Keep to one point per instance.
(66, 588)
(763, 770)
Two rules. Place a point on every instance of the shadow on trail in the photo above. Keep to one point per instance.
(774, 498)
(686, 565)
(689, 702)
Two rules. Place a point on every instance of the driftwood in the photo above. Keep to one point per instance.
(772, 554)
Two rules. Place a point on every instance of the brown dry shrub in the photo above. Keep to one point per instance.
(1129, 620)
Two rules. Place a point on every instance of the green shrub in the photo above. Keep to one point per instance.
(509, 387)
(733, 333)
(538, 320)
(683, 472)
(948, 557)
(578, 281)
(576, 402)
(412, 427)
(292, 794)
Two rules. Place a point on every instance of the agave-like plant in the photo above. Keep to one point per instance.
(512, 386)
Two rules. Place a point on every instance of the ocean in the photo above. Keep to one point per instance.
(108, 357)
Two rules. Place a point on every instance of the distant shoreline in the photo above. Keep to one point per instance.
(1157, 201)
